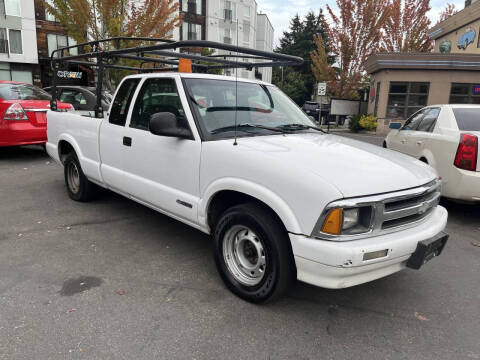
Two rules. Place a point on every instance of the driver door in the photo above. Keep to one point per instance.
(162, 172)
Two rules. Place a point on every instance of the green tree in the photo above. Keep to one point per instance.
(299, 41)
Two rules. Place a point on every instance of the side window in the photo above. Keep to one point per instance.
(121, 103)
(413, 122)
(157, 95)
(73, 97)
(428, 122)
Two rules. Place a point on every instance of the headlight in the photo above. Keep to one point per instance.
(347, 221)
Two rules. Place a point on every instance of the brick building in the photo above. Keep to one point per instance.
(51, 35)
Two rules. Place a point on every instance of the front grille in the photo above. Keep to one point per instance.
(411, 208)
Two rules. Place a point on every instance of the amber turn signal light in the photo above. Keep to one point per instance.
(333, 222)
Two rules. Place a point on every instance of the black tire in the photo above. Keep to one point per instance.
(279, 271)
(384, 145)
(84, 190)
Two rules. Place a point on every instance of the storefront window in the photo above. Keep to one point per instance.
(465, 93)
(406, 98)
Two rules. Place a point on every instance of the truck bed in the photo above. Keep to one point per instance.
(82, 133)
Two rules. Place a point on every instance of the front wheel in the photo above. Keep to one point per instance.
(253, 253)
(79, 188)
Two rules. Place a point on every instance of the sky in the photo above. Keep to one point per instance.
(281, 11)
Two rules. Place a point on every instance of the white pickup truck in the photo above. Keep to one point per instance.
(240, 161)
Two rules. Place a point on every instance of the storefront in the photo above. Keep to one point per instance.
(402, 83)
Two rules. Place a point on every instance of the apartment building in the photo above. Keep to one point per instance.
(231, 22)
(18, 44)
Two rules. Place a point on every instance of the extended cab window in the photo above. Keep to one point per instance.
(157, 95)
(121, 103)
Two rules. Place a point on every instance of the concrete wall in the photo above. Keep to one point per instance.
(439, 93)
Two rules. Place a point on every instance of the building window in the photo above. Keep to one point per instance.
(12, 7)
(9, 74)
(465, 93)
(15, 37)
(229, 12)
(192, 6)
(246, 31)
(405, 98)
(192, 31)
(247, 11)
(55, 42)
(377, 96)
(227, 36)
(3, 41)
(49, 16)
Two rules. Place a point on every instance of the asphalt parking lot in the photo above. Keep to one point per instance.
(112, 279)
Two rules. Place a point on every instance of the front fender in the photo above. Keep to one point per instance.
(255, 190)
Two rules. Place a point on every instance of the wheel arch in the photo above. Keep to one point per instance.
(67, 144)
(229, 192)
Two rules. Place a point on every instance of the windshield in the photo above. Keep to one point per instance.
(468, 119)
(22, 92)
(256, 104)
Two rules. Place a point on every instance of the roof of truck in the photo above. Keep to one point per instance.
(197, 76)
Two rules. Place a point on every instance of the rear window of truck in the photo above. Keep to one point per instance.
(468, 119)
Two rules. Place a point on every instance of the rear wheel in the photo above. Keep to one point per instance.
(79, 188)
(253, 253)
(384, 145)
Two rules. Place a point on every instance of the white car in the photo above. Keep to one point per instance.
(445, 137)
(240, 161)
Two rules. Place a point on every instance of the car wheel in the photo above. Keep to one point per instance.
(253, 253)
(385, 145)
(79, 188)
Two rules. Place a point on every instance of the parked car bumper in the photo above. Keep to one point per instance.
(15, 133)
(336, 265)
(462, 185)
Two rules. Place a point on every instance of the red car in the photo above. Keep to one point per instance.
(23, 109)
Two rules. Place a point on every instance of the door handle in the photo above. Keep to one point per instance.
(404, 141)
(127, 141)
(419, 143)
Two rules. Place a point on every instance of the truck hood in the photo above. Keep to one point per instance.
(354, 167)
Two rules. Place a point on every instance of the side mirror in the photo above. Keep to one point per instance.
(395, 125)
(165, 124)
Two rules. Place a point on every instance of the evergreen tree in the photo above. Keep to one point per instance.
(299, 41)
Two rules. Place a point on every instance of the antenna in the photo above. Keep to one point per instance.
(236, 94)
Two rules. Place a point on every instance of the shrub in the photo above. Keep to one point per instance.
(368, 122)
(354, 124)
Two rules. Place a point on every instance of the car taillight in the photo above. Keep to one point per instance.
(15, 112)
(467, 152)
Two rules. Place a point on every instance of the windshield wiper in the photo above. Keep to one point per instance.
(294, 127)
(232, 127)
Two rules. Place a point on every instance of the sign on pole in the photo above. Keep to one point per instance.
(322, 89)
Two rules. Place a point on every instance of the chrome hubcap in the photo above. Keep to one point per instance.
(73, 177)
(244, 255)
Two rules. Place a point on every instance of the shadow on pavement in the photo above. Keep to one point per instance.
(26, 153)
